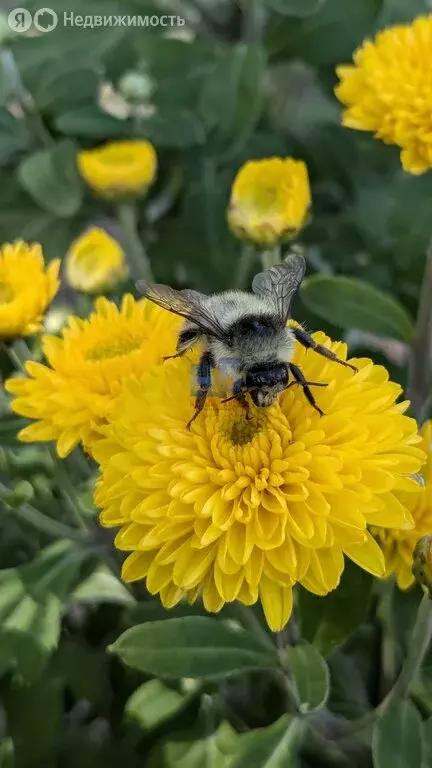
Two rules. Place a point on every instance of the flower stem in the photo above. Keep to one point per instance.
(253, 18)
(140, 263)
(68, 490)
(243, 265)
(41, 522)
(418, 648)
(271, 257)
(420, 374)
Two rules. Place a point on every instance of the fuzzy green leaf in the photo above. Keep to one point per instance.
(51, 177)
(352, 303)
(276, 746)
(310, 676)
(191, 647)
(397, 740)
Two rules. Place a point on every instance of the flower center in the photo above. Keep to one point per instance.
(6, 293)
(243, 430)
(116, 349)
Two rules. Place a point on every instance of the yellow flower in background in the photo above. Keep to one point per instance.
(270, 200)
(388, 91)
(398, 545)
(242, 510)
(119, 168)
(27, 286)
(70, 398)
(95, 262)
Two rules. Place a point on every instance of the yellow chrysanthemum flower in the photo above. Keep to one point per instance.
(95, 262)
(26, 288)
(398, 545)
(389, 91)
(70, 398)
(242, 510)
(270, 200)
(119, 168)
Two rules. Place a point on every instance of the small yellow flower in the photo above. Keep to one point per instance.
(242, 510)
(389, 91)
(26, 288)
(95, 262)
(70, 398)
(120, 168)
(398, 545)
(270, 200)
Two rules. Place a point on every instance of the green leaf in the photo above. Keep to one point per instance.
(31, 603)
(399, 11)
(51, 177)
(327, 621)
(14, 136)
(85, 671)
(152, 703)
(276, 746)
(195, 646)
(298, 8)
(9, 428)
(232, 96)
(351, 303)
(397, 739)
(92, 122)
(103, 587)
(213, 748)
(328, 36)
(427, 740)
(66, 88)
(34, 718)
(310, 675)
(173, 128)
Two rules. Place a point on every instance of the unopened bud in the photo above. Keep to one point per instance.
(19, 494)
(422, 563)
(136, 86)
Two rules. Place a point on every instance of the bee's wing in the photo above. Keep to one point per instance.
(188, 304)
(280, 283)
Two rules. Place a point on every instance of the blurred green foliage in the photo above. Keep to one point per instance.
(237, 80)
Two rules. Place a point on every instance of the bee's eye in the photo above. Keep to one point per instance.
(254, 324)
(257, 326)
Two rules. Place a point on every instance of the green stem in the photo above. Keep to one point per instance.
(41, 522)
(420, 371)
(253, 21)
(33, 118)
(418, 648)
(68, 491)
(243, 266)
(128, 221)
(293, 702)
(271, 257)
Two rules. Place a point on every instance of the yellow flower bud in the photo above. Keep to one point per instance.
(95, 263)
(270, 200)
(120, 168)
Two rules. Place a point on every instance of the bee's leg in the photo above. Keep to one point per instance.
(300, 379)
(204, 383)
(238, 393)
(177, 354)
(307, 341)
(186, 340)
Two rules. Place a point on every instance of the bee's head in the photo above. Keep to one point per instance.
(263, 397)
